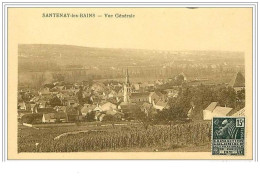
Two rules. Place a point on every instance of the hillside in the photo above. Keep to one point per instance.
(40, 57)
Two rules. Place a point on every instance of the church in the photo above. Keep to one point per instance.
(133, 97)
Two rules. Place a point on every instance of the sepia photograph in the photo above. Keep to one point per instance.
(138, 80)
(129, 93)
(76, 99)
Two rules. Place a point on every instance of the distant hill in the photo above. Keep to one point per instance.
(40, 57)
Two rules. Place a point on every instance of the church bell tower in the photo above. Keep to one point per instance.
(127, 88)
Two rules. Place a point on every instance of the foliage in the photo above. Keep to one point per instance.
(83, 99)
(49, 85)
(90, 116)
(55, 101)
(200, 97)
(31, 118)
(107, 139)
(26, 97)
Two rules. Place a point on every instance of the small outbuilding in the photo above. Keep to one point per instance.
(213, 110)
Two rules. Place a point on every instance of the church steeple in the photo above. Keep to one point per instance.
(127, 77)
(127, 88)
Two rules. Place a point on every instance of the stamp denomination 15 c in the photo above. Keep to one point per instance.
(228, 136)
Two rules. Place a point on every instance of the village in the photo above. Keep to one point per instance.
(114, 101)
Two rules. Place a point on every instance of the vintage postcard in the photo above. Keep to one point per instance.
(130, 83)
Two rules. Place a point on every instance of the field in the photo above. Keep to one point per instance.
(194, 136)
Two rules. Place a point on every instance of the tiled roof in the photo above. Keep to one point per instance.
(212, 106)
(238, 80)
(161, 103)
(46, 110)
(143, 94)
(222, 110)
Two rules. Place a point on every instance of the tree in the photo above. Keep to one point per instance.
(90, 116)
(146, 119)
(55, 101)
(49, 85)
(241, 95)
(80, 95)
(227, 97)
(174, 113)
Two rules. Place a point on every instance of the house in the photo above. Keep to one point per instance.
(215, 111)
(238, 82)
(159, 82)
(112, 94)
(49, 118)
(137, 86)
(42, 104)
(147, 108)
(146, 86)
(22, 106)
(58, 88)
(45, 110)
(60, 108)
(155, 97)
(207, 113)
(139, 97)
(68, 86)
(160, 105)
(98, 87)
(72, 113)
(35, 99)
(34, 107)
(61, 117)
(98, 108)
(87, 108)
(44, 91)
(221, 111)
(150, 85)
(108, 106)
(70, 100)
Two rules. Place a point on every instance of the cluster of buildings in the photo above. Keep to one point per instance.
(70, 102)
(62, 102)
(214, 110)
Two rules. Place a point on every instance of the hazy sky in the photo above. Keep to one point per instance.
(154, 28)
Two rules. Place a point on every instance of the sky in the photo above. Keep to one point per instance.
(227, 29)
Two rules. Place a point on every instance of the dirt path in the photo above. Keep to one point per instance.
(74, 132)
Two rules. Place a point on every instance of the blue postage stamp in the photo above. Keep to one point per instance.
(228, 136)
